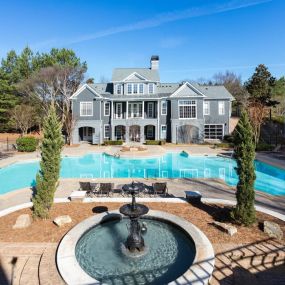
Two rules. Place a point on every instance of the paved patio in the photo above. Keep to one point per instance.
(259, 263)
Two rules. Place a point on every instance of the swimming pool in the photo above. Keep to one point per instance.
(270, 179)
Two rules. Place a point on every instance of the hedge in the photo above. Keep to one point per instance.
(27, 144)
(154, 142)
(113, 142)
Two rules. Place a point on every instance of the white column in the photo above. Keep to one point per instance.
(158, 116)
(143, 109)
(127, 110)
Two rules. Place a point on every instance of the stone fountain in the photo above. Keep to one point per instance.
(135, 241)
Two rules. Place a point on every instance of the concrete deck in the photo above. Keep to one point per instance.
(209, 188)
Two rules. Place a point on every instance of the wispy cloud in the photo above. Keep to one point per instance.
(161, 19)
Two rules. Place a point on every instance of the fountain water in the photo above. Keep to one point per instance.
(91, 252)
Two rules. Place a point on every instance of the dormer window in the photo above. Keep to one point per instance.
(119, 89)
(129, 88)
(141, 88)
(135, 88)
(150, 88)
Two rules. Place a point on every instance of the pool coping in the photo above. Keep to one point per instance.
(200, 270)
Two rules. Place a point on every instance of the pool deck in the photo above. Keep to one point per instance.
(209, 188)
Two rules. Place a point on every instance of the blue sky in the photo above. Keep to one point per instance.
(194, 38)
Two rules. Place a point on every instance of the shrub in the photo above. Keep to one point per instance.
(244, 211)
(264, 147)
(154, 142)
(48, 175)
(113, 142)
(27, 144)
(229, 138)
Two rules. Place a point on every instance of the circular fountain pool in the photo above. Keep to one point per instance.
(92, 252)
(168, 255)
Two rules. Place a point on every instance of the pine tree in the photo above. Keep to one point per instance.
(48, 175)
(244, 211)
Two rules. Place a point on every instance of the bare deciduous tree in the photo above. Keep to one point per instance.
(257, 114)
(55, 84)
(23, 117)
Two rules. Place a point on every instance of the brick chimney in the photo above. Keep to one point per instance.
(154, 62)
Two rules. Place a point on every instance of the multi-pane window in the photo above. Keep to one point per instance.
(119, 110)
(141, 88)
(221, 108)
(187, 109)
(163, 132)
(135, 88)
(150, 88)
(150, 110)
(135, 110)
(213, 132)
(119, 89)
(163, 108)
(86, 108)
(206, 107)
(106, 131)
(129, 88)
(107, 109)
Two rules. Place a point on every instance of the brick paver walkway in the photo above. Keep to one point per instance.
(261, 263)
(28, 264)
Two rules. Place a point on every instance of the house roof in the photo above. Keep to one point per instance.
(215, 92)
(120, 74)
(162, 90)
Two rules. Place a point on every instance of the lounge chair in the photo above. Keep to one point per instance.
(84, 186)
(160, 188)
(106, 189)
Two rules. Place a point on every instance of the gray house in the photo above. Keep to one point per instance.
(136, 106)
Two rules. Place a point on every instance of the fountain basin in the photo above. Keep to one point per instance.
(199, 266)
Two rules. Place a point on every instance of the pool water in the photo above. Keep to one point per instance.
(170, 252)
(270, 179)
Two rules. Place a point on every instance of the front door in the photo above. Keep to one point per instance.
(87, 134)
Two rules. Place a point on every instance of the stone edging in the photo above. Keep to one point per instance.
(200, 271)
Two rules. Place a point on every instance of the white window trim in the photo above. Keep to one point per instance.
(117, 87)
(84, 102)
(163, 101)
(116, 111)
(204, 103)
(186, 105)
(105, 137)
(131, 108)
(129, 84)
(152, 104)
(142, 88)
(165, 131)
(223, 113)
(223, 129)
(152, 88)
(105, 108)
(150, 127)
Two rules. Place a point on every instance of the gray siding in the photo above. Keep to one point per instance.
(215, 118)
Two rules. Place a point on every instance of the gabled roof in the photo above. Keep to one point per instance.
(120, 74)
(187, 90)
(216, 92)
(83, 87)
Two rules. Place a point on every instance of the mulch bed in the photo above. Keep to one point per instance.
(202, 217)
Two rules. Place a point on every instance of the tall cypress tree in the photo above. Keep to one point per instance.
(48, 175)
(244, 211)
